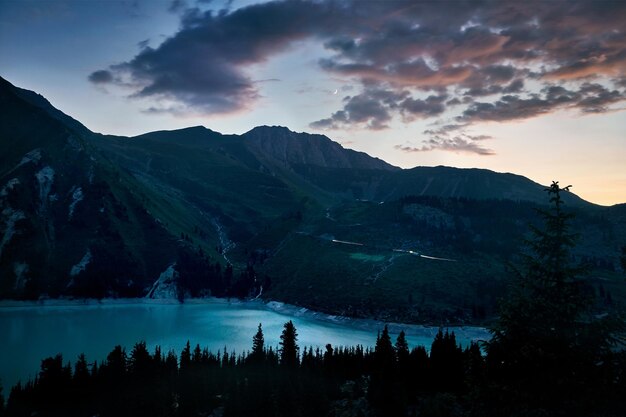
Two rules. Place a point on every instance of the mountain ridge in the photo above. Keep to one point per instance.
(284, 151)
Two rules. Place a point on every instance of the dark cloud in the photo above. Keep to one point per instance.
(487, 49)
(429, 107)
(371, 109)
(143, 44)
(516, 86)
(589, 98)
(101, 77)
(597, 99)
(177, 6)
(202, 68)
(493, 60)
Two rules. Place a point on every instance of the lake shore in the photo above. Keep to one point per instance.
(279, 307)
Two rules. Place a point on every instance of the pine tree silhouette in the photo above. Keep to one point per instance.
(258, 345)
(288, 346)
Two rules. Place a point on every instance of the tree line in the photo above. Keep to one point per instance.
(389, 380)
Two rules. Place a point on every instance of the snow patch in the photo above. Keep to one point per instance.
(9, 217)
(165, 286)
(45, 178)
(77, 196)
(226, 244)
(32, 156)
(13, 182)
(20, 269)
(80, 266)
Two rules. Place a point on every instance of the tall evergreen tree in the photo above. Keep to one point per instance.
(548, 313)
(81, 372)
(140, 360)
(384, 352)
(547, 340)
(402, 349)
(288, 347)
(185, 357)
(116, 362)
(258, 344)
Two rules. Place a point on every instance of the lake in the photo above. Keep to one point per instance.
(30, 332)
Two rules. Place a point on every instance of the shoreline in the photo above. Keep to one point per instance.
(279, 307)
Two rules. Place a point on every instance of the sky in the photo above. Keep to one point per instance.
(537, 88)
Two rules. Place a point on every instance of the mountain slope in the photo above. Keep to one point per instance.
(71, 222)
(480, 184)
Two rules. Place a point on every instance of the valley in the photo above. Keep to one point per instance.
(267, 214)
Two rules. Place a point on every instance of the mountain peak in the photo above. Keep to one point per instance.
(291, 148)
(267, 129)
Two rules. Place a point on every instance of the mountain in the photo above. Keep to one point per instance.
(284, 147)
(165, 213)
(480, 184)
(71, 222)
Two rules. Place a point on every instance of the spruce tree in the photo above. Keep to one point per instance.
(548, 312)
(288, 346)
(258, 344)
(384, 353)
(81, 371)
(547, 341)
(402, 349)
(185, 357)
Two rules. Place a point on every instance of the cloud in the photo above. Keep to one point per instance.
(457, 144)
(417, 108)
(483, 49)
(491, 60)
(143, 44)
(202, 68)
(101, 77)
(589, 98)
(177, 6)
(370, 110)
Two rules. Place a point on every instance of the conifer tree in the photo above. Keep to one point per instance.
(288, 347)
(116, 362)
(402, 349)
(140, 359)
(547, 342)
(258, 344)
(547, 315)
(384, 352)
(185, 357)
(81, 373)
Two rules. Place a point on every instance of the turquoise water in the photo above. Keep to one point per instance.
(31, 333)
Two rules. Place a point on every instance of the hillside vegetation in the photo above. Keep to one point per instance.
(193, 212)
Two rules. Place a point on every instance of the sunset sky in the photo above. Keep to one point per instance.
(534, 88)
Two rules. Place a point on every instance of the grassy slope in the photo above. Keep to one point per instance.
(111, 216)
(372, 280)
